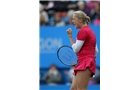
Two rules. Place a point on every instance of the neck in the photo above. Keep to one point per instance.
(83, 25)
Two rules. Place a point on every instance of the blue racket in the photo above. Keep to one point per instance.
(67, 56)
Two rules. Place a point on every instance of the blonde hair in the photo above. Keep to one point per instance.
(83, 16)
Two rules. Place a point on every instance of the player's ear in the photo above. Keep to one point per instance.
(80, 20)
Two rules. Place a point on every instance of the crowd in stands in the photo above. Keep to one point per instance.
(53, 76)
(59, 13)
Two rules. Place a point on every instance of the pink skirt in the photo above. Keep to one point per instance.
(85, 63)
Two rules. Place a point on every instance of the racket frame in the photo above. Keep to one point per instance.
(59, 57)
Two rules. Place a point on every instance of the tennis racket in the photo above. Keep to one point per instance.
(67, 56)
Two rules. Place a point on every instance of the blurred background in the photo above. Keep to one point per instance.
(55, 19)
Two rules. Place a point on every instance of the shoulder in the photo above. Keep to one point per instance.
(82, 31)
(86, 28)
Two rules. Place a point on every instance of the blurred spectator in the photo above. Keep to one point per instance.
(62, 8)
(97, 21)
(82, 7)
(43, 18)
(69, 75)
(41, 7)
(89, 5)
(53, 76)
(57, 20)
(95, 11)
(49, 6)
(69, 15)
(65, 5)
(72, 5)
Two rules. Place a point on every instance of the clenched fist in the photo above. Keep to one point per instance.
(69, 32)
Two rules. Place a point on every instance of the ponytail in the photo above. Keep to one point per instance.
(87, 19)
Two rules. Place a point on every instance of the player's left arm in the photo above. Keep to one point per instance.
(77, 45)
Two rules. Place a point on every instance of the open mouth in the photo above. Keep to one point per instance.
(74, 24)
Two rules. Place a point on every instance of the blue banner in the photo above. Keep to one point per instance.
(51, 38)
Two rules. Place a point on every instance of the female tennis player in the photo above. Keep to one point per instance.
(86, 49)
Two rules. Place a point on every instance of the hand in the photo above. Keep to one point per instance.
(50, 72)
(69, 32)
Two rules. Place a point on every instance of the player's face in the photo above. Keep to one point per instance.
(75, 21)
